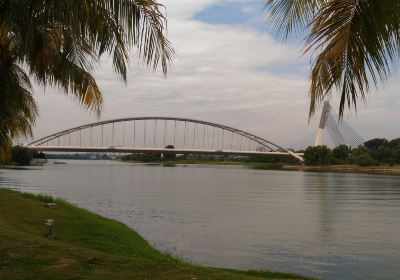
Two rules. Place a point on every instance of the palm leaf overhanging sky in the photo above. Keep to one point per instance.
(59, 43)
(354, 43)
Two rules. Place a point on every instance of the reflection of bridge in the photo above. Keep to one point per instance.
(154, 134)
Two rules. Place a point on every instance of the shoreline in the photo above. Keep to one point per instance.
(377, 170)
(374, 170)
(84, 244)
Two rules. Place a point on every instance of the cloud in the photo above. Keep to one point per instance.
(248, 9)
(185, 9)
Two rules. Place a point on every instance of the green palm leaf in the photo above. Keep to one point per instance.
(355, 43)
(59, 43)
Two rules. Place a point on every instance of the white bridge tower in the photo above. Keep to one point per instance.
(322, 123)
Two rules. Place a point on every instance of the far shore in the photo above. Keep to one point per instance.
(380, 169)
(383, 169)
(344, 168)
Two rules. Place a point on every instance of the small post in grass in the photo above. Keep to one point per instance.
(49, 224)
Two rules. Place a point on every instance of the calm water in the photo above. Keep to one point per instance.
(332, 226)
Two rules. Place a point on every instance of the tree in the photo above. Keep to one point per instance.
(21, 155)
(362, 156)
(397, 155)
(169, 155)
(375, 143)
(17, 108)
(355, 43)
(59, 42)
(319, 155)
(360, 150)
(341, 152)
(394, 143)
(366, 160)
(384, 154)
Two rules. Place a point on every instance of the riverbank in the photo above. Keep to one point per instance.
(87, 246)
(251, 164)
(383, 170)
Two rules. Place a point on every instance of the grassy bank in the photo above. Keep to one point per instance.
(88, 246)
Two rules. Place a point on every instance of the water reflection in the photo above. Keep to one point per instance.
(334, 226)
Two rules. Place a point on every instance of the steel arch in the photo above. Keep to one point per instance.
(263, 142)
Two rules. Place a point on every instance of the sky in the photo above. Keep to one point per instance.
(231, 69)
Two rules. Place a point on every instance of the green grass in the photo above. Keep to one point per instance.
(88, 246)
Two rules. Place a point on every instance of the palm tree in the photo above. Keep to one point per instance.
(17, 108)
(354, 43)
(59, 42)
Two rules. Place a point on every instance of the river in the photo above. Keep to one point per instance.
(327, 225)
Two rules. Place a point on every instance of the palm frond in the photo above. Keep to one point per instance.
(18, 109)
(357, 42)
(354, 43)
(145, 26)
(89, 29)
(290, 16)
(80, 83)
(61, 41)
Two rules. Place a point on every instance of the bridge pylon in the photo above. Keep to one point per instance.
(340, 132)
(322, 123)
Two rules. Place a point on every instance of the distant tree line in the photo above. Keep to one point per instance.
(142, 157)
(378, 151)
(151, 157)
(79, 156)
(166, 156)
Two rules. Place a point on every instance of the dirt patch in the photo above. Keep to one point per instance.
(63, 263)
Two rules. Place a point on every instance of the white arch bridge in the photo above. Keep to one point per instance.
(155, 134)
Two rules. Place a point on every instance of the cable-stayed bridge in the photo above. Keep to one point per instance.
(340, 132)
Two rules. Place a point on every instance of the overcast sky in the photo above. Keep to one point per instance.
(229, 69)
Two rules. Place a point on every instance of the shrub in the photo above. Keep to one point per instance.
(367, 160)
(341, 152)
(21, 155)
(169, 155)
(319, 155)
